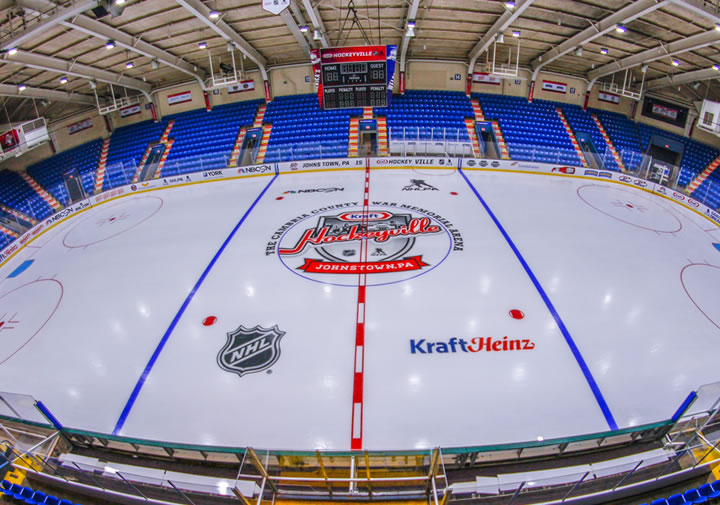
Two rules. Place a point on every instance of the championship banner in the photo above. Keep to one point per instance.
(608, 97)
(80, 126)
(130, 111)
(664, 111)
(555, 87)
(9, 140)
(376, 267)
(317, 71)
(390, 69)
(243, 86)
(185, 96)
(485, 78)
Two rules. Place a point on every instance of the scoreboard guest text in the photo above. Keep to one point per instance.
(350, 77)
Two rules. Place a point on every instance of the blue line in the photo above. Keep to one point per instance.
(176, 319)
(563, 329)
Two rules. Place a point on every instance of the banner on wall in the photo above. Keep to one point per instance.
(485, 78)
(555, 87)
(666, 112)
(9, 140)
(243, 86)
(608, 97)
(130, 111)
(80, 126)
(185, 96)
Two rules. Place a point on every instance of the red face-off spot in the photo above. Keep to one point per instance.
(517, 314)
(629, 205)
(279, 198)
(209, 321)
(112, 219)
(453, 193)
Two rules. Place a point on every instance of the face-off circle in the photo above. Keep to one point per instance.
(111, 221)
(630, 207)
(25, 311)
(700, 282)
(326, 245)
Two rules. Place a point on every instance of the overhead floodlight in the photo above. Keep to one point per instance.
(119, 2)
(604, 50)
(510, 5)
(12, 51)
(63, 80)
(675, 63)
(501, 38)
(410, 28)
(110, 44)
(620, 29)
(304, 29)
(93, 84)
(129, 65)
(229, 47)
(716, 67)
(644, 68)
(155, 64)
(578, 51)
(316, 35)
(516, 33)
(21, 87)
(411, 23)
(202, 45)
(717, 27)
(214, 14)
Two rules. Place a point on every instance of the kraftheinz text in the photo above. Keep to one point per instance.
(477, 344)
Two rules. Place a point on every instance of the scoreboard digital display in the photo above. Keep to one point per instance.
(350, 77)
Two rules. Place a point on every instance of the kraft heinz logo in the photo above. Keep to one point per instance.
(477, 344)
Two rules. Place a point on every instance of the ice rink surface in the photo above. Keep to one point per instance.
(478, 308)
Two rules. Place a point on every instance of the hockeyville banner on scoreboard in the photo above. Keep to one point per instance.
(185, 96)
(243, 86)
(360, 54)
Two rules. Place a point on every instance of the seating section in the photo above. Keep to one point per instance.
(204, 140)
(702, 494)
(624, 134)
(5, 239)
(532, 131)
(49, 172)
(25, 494)
(16, 193)
(127, 147)
(302, 130)
(428, 115)
(582, 122)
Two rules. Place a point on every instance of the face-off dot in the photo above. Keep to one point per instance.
(279, 198)
(517, 314)
(453, 193)
(209, 321)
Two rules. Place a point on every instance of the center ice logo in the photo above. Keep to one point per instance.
(250, 350)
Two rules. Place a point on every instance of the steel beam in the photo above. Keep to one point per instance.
(50, 16)
(633, 11)
(48, 94)
(500, 25)
(202, 12)
(665, 50)
(41, 62)
(683, 78)
(411, 14)
(316, 21)
(295, 30)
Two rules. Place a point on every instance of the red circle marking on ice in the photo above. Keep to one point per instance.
(517, 314)
(629, 205)
(454, 193)
(279, 198)
(209, 321)
(112, 219)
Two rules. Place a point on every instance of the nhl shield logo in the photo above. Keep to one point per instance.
(250, 350)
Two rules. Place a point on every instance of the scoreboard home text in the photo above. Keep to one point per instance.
(348, 77)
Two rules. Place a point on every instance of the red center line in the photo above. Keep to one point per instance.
(358, 377)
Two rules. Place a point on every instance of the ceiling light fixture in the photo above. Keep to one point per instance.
(129, 65)
(620, 29)
(501, 38)
(63, 80)
(717, 27)
(578, 51)
(644, 68)
(202, 45)
(516, 33)
(214, 14)
(109, 44)
(604, 50)
(716, 67)
(675, 63)
(304, 29)
(12, 51)
(510, 5)
(21, 87)
(119, 2)
(316, 35)
(155, 64)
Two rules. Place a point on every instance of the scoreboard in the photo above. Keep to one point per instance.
(349, 77)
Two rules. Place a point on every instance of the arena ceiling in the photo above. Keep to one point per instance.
(61, 45)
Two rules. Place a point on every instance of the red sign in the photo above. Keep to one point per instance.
(376, 267)
(9, 140)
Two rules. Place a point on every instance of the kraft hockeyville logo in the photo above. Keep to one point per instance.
(474, 345)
